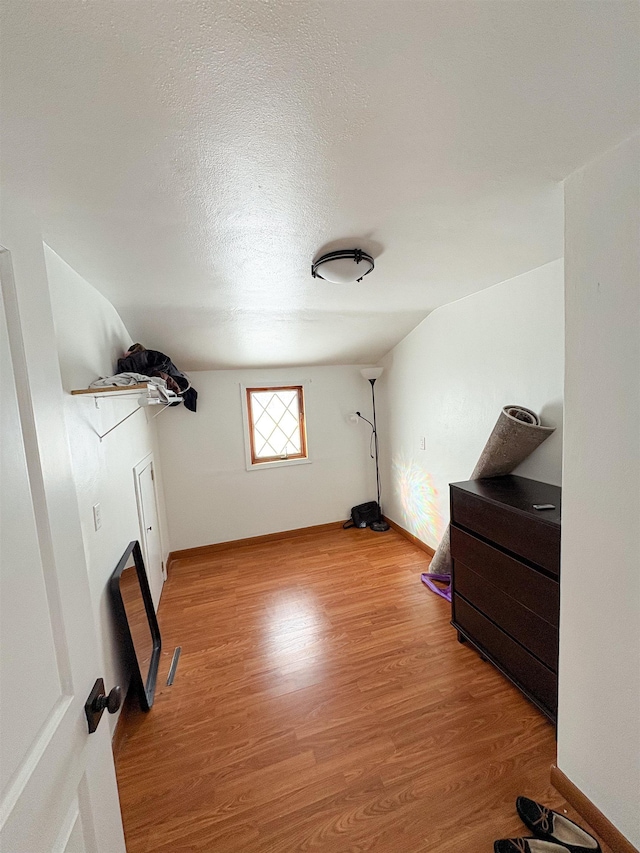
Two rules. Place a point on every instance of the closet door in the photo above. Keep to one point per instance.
(147, 499)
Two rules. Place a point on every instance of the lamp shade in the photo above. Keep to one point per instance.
(342, 267)
(372, 372)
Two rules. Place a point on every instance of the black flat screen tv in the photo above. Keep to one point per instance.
(137, 621)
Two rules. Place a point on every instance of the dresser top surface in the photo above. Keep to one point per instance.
(517, 493)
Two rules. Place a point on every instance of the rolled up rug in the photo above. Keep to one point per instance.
(517, 433)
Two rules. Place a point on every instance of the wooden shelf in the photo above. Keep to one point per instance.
(113, 389)
(130, 391)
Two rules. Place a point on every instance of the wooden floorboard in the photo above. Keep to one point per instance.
(323, 703)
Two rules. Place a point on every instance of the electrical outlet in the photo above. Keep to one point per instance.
(423, 443)
(97, 516)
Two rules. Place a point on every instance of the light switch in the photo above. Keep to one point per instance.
(97, 516)
(423, 443)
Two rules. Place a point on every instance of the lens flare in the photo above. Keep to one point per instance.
(419, 500)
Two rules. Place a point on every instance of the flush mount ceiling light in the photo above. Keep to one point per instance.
(343, 267)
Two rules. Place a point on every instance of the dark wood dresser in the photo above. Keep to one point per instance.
(506, 573)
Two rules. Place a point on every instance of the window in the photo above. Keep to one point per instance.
(276, 424)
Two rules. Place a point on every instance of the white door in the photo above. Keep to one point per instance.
(58, 783)
(149, 526)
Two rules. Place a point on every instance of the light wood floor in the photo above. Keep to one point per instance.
(323, 703)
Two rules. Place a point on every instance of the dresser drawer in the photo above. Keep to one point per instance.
(528, 537)
(527, 672)
(530, 588)
(536, 635)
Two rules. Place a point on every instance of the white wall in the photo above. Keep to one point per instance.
(211, 497)
(90, 337)
(599, 712)
(449, 378)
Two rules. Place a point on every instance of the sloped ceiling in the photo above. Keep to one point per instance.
(190, 158)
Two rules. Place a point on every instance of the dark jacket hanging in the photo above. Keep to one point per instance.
(150, 362)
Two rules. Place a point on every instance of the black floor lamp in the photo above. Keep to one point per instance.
(373, 373)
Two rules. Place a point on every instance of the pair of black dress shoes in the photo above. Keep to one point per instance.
(552, 833)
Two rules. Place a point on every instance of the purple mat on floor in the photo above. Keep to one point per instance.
(443, 592)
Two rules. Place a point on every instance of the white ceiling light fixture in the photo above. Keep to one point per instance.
(343, 266)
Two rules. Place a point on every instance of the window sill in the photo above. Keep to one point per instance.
(281, 463)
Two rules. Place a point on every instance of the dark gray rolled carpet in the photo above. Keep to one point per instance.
(517, 433)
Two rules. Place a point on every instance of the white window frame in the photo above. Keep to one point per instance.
(279, 463)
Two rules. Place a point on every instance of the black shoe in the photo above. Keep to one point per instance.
(551, 826)
(527, 845)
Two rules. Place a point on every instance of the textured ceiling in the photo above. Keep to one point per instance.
(190, 158)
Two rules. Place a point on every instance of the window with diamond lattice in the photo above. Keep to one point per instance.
(276, 424)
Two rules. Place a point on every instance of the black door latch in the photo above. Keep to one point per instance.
(98, 701)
